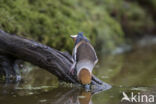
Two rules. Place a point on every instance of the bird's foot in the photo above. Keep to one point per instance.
(87, 87)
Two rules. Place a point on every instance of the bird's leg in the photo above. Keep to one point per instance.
(72, 68)
(87, 87)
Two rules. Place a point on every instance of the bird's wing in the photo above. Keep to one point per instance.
(74, 54)
(85, 51)
(96, 58)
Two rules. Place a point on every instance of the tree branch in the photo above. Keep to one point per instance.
(54, 61)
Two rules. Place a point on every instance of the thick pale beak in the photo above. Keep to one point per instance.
(73, 37)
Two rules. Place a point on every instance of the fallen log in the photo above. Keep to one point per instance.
(52, 60)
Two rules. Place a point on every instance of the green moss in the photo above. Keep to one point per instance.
(53, 21)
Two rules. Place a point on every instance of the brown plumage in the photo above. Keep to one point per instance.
(84, 57)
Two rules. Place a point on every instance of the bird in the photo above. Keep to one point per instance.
(84, 59)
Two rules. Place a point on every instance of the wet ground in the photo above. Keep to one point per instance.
(130, 72)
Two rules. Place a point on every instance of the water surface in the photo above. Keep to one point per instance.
(133, 71)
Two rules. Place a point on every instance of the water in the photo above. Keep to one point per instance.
(134, 71)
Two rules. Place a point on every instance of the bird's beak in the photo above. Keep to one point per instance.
(73, 37)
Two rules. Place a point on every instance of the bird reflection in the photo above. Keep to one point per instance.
(73, 96)
(54, 96)
(60, 95)
(86, 98)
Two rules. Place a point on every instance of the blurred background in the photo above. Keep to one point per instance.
(123, 33)
(107, 23)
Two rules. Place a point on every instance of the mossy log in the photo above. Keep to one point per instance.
(52, 60)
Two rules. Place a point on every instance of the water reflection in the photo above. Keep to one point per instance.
(10, 94)
(133, 71)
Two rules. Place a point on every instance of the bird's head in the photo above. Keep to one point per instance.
(77, 38)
